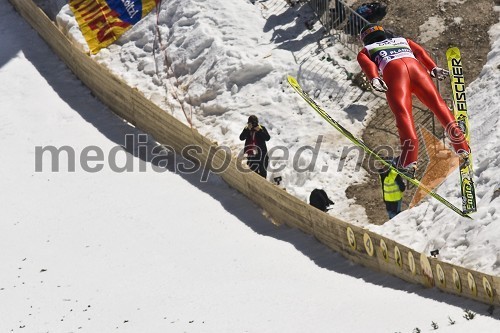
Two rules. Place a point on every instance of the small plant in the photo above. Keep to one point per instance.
(434, 325)
(469, 315)
(451, 321)
(416, 330)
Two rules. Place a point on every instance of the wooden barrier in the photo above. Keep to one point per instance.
(357, 244)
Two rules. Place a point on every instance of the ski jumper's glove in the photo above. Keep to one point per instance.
(439, 73)
(378, 84)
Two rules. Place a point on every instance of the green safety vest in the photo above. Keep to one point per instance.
(391, 189)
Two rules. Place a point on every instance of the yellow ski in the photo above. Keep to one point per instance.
(460, 110)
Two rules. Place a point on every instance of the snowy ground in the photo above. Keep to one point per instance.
(129, 251)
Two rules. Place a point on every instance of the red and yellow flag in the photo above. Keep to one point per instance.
(104, 21)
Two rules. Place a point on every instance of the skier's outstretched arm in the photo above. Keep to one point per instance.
(422, 55)
(367, 65)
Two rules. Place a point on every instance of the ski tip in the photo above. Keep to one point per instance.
(291, 79)
(467, 216)
(465, 213)
(453, 51)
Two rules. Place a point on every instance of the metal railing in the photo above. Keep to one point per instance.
(340, 21)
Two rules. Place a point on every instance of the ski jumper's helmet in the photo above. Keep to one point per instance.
(372, 33)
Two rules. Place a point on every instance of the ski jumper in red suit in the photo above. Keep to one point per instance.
(405, 65)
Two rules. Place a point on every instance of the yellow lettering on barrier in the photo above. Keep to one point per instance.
(368, 244)
(472, 284)
(440, 276)
(456, 280)
(350, 238)
(425, 265)
(383, 249)
(398, 257)
(487, 289)
(411, 263)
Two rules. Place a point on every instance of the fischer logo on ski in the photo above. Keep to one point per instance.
(454, 60)
(469, 197)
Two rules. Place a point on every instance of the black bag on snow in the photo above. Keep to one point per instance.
(320, 200)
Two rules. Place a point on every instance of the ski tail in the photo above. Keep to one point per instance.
(460, 111)
(298, 89)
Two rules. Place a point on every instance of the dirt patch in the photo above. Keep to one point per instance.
(467, 27)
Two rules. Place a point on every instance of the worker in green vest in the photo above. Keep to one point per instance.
(392, 190)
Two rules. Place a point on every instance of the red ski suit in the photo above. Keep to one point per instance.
(405, 67)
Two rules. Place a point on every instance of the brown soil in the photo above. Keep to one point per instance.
(404, 18)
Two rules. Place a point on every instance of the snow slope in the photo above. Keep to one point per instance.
(153, 252)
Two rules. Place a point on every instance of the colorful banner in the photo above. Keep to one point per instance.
(104, 21)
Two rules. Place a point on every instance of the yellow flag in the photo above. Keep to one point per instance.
(104, 21)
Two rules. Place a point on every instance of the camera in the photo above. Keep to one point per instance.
(434, 253)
